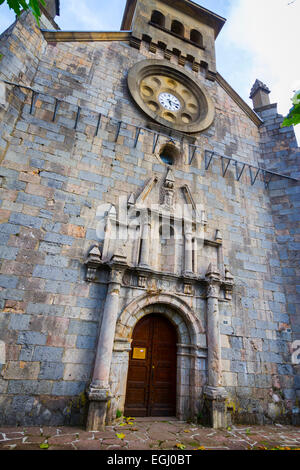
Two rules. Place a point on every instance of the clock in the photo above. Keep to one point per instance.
(172, 97)
(169, 101)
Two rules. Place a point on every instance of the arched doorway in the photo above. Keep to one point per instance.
(151, 382)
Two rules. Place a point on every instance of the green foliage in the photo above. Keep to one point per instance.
(293, 118)
(18, 5)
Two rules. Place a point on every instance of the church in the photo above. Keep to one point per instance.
(149, 228)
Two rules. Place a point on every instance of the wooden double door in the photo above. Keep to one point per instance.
(151, 383)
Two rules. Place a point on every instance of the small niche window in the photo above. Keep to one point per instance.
(158, 18)
(196, 37)
(169, 154)
(177, 28)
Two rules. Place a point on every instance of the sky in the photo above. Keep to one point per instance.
(259, 40)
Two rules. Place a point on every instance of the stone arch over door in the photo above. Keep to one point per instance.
(191, 362)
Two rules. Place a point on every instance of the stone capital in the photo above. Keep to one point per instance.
(213, 288)
(116, 275)
(98, 394)
(213, 279)
(215, 393)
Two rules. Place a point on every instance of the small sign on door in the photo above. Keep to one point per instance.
(139, 353)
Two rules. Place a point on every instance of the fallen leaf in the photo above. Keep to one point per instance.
(180, 446)
(120, 435)
(186, 430)
(44, 445)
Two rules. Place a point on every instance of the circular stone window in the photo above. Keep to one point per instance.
(169, 154)
(170, 96)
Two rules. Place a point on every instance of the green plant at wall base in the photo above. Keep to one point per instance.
(293, 118)
(18, 5)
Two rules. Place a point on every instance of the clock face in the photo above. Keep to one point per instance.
(170, 96)
(169, 101)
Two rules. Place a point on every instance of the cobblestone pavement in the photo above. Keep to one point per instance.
(151, 434)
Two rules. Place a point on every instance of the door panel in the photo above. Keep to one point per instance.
(151, 383)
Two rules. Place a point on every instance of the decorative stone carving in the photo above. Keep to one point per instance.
(93, 262)
(188, 289)
(116, 276)
(213, 279)
(142, 280)
(218, 237)
(131, 200)
(168, 199)
(228, 284)
(119, 257)
(152, 287)
(212, 272)
(145, 242)
(213, 290)
(136, 264)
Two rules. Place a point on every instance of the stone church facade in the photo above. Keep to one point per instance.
(149, 228)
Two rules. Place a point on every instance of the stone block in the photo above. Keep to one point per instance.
(263, 381)
(58, 238)
(9, 282)
(68, 388)
(77, 372)
(32, 337)
(279, 297)
(31, 200)
(57, 261)
(55, 274)
(21, 370)
(236, 342)
(48, 354)
(229, 379)
(8, 253)
(239, 366)
(19, 322)
(83, 328)
(51, 371)
(86, 342)
(25, 220)
(58, 287)
(78, 356)
(26, 353)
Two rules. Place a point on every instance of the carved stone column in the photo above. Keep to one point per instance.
(145, 240)
(188, 249)
(99, 391)
(215, 394)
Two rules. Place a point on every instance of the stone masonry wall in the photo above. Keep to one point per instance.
(282, 154)
(53, 179)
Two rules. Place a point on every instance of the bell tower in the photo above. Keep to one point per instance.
(52, 7)
(178, 27)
